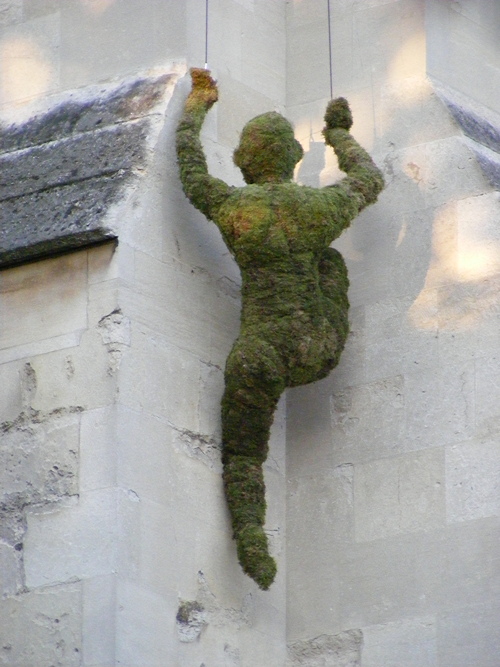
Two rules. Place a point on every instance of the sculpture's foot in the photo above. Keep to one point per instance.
(254, 556)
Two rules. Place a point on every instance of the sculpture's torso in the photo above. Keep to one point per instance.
(294, 291)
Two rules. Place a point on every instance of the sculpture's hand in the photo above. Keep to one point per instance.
(338, 114)
(204, 87)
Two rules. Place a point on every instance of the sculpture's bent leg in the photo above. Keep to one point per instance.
(255, 380)
(334, 285)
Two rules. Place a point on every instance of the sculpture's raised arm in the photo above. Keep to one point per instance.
(205, 192)
(364, 180)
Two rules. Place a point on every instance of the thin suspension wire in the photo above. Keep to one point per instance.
(206, 34)
(329, 47)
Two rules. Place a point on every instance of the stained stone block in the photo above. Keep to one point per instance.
(44, 300)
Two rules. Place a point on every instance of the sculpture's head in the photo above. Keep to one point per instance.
(268, 150)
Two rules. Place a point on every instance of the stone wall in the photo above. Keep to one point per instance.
(115, 545)
(393, 461)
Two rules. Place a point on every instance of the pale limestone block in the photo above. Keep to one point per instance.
(352, 365)
(472, 480)
(160, 377)
(478, 237)
(409, 236)
(36, 348)
(387, 57)
(461, 62)
(220, 162)
(440, 405)
(80, 540)
(145, 629)
(395, 343)
(408, 112)
(208, 503)
(309, 437)
(30, 63)
(42, 628)
(320, 507)
(169, 297)
(319, 526)
(239, 103)
(358, 414)
(211, 390)
(409, 642)
(11, 11)
(441, 171)
(368, 252)
(99, 616)
(277, 439)
(470, 306)
(39, 458)
(263, 42)
(187, 235)
(472, 567)
(99, 42)
(488, 393)
(308, 56)
(104, 298)
(399, 495)
(167, 548)
(457, 347)
(469, 636)
(83, 376)
(11, 579)
(97, 449)
(110, 261)
(393, 578)
(44, 300)
(145, 456)
(11, 396)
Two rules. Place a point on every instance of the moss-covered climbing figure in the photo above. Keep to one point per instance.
(294, 287)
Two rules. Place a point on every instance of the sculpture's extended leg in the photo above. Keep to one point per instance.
(255, 379)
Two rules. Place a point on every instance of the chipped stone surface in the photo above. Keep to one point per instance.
(190, 620)
(42, 628)
(342, 650)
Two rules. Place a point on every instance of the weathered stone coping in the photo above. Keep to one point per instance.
(62, 170)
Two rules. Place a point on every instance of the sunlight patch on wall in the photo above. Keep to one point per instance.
(25, 73)
(409, 61)
(97, 7)
(465, 256)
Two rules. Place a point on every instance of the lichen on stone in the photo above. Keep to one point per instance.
(294, 319)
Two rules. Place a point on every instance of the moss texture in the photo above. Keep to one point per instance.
(294, 319)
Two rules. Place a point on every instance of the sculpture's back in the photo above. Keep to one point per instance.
(294, 287)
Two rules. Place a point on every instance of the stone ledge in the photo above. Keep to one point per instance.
(481, 126)
(61, 171)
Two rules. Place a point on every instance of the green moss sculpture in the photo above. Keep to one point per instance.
(294, 286)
